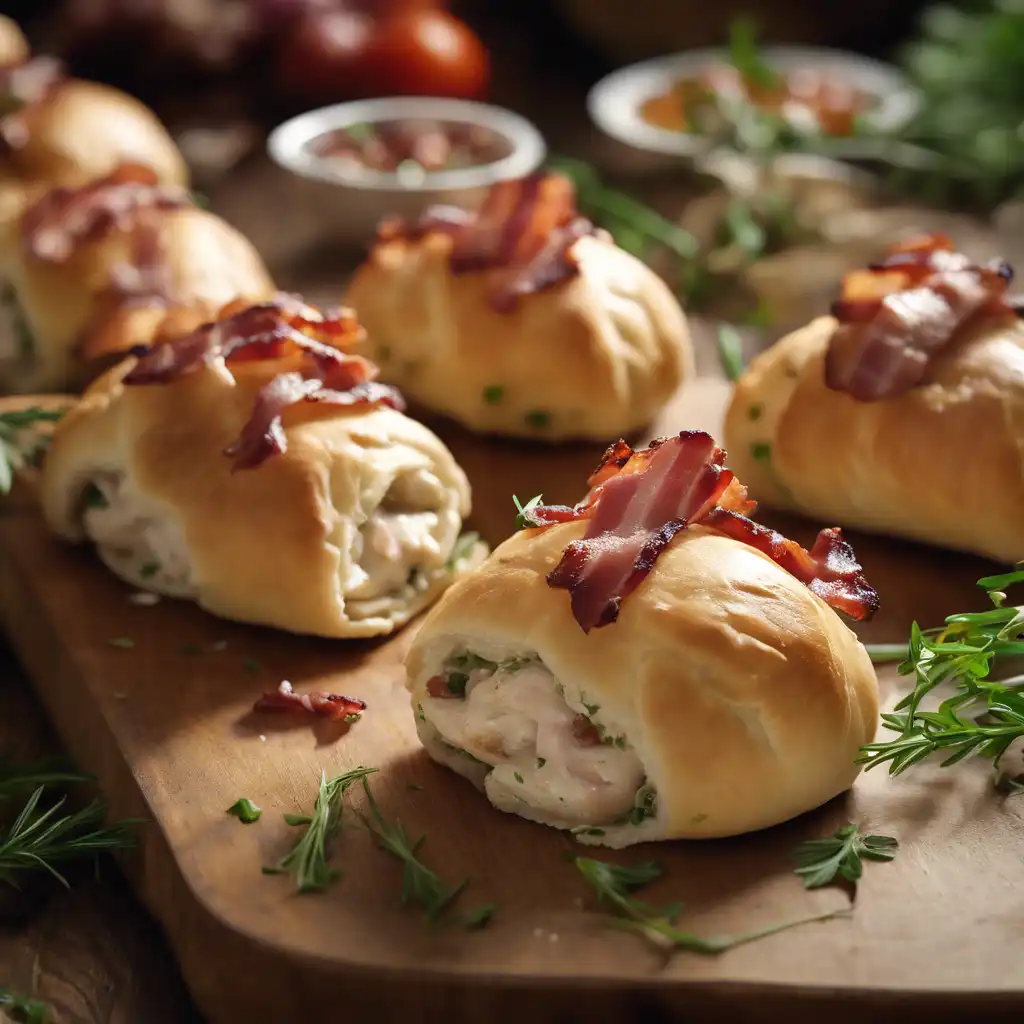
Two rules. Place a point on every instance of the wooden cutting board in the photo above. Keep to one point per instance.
(166, 726)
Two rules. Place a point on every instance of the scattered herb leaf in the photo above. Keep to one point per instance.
(493, 394)
(537, 418)
(730, 349)
(761, 451)
(11, 424)
(245, 811)
(480, 916)
(821, 861)
(523, 511)
(22, 1009)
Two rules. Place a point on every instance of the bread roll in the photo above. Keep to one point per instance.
(348, 533)
(726, 697)
(114, 283)
(941, 463)
(14, 48)
(595, 355)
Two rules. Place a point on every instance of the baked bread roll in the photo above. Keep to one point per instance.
(522, 319)
(14, 48)
(256, 468)
(928, 445)
(64, 131)
(714, 693)
(89, 273)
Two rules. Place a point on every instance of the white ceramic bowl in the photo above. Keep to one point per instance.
(614, 102)
(345, 204)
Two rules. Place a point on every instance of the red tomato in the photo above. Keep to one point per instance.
(429, 53)
(338, 55)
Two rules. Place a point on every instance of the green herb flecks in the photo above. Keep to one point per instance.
(420, 885)
(480, 916)
(645, 805)
(462, 550)
(307, 860)
(245, 811)
(761, 451)
(538, 419)
(523, 519)
(840, 856)
(983, 716)
(23, 1010)
(12, 452)
(493, 394)
(746, 58)
(614, 886)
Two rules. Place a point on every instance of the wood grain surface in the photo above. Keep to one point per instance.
(169, 734)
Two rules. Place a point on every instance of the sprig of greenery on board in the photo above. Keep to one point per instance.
(983, 716)
(22, 1009)
(13, 454)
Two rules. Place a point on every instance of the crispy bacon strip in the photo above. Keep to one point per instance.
(639, 500)
(263, 435)
(332, 706)
(523, 232)
(896, 316)
(66, 217)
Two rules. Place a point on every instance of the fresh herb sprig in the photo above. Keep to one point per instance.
(984, 716)
(16, 780)
(420, 885)
(40, 838)
(614, 886)
(12, 455)
(883, 654)
(523, 520)
(307, 860)
(22, 1009)
(730, 350)
(841, 855)
(245, 811)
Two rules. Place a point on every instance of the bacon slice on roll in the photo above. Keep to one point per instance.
(639, 500)
(277, 330)
(523, 233)
(896, 316)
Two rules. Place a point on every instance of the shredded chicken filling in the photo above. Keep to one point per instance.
(511, 714)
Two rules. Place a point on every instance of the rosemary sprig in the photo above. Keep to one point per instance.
(614, 885)
(22, 1009)
(12, 456)
(15, 780)
(984, 716)
(307, 860)
(420, 885)
(40, 838)
(821, 861)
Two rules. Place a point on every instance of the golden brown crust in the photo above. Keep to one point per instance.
(593, 357)
(75, 320)
(14, 48)
(744, 695)
(941, 464)
(84, 130)
(270, 545)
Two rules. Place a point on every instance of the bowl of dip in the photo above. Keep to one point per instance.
(652, 113)
(354, 164)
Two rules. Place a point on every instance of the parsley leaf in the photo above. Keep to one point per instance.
(821, 861)
(245, 811)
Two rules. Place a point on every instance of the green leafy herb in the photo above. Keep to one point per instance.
(40, 838)
(16, 780)
(493, 394)
(541, 761)
(821, 861)
(463, 548)
(537, 418)
(755, 412)
(419, 884)
(22, 1009)
(455, 683)
(469, 662)
(746, 58)
(761, 451)
(480, 916)
(12, 455)
(586, 830)
(307, 860)
(518, 777)
(730, 349)
(645, 805)
(880, 654)
(148, 570)
(983, 716)
(523, 520)
(245, 811)
(125, 643)
(92, 497)
(297, 819)
(614, 885)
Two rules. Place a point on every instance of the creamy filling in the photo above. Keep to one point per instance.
(134, 539)
(547, 759)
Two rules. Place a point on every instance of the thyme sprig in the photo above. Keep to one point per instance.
(984, 716)
(615, 885)
(307, 860)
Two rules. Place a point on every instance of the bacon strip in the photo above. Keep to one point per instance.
(639, 501)
(67, 217)
(332, 706)
(523, 232)
(899, 314)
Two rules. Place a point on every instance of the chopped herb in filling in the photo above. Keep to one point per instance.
(493, 394)
(761, 451)
(538, 418)
(92, 497)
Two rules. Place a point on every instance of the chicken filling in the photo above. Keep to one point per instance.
(555, 759)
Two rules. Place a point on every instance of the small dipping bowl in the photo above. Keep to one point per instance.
(341, 198)
(636, 146)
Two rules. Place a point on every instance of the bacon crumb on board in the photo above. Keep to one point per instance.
(269, 331)
(332, 706)
(639, 500)
(898, 315)
(523, 232)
